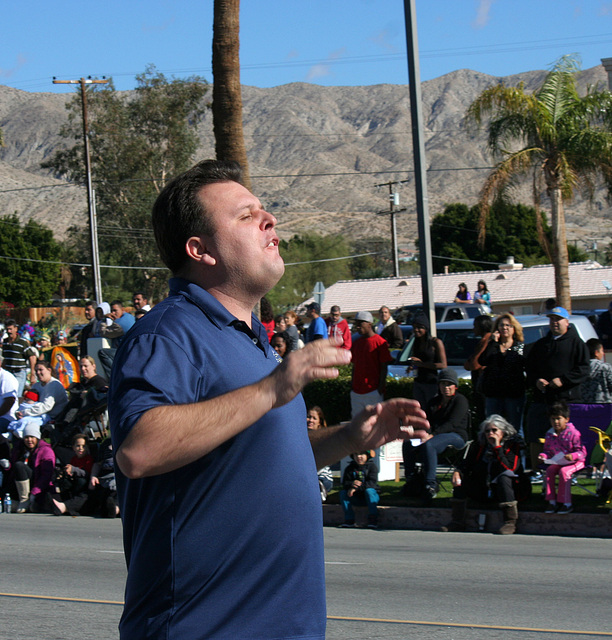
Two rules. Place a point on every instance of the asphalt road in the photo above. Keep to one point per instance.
(62, 578)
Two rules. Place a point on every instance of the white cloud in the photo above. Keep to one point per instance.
(482, 14)
(7, 73)
(323, 69)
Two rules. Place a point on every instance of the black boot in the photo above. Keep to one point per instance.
(458, 512)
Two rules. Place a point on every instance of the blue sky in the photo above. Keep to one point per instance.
(327, 42)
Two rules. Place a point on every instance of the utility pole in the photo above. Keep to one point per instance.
(420, 172)
(91, 204)
(393, 202)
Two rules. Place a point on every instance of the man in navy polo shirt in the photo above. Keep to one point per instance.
(215, 472)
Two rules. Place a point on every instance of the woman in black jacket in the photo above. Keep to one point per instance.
(491, 471)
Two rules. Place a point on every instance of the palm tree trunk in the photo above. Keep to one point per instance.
(227, 95)
(560, 255)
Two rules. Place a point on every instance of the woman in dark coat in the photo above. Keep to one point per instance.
(491, 471)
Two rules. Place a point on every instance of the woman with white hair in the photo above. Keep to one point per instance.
(491, 472)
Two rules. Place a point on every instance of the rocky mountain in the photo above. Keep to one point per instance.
(316, 155)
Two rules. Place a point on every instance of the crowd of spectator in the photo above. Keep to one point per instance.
(50, 462)
(55, 453)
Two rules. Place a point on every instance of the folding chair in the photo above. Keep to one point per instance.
(449, 459)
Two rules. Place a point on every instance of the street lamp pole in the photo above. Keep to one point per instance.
(91, 206)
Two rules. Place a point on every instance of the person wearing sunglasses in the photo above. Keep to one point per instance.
(491, 472)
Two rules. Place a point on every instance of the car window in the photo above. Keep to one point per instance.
(406, 352)
(473, 311)
(454, 313)
(459, 344)
(531, 334)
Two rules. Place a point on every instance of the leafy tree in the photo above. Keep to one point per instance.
(139, 141)
(308, 250)
(377, 265)
(512, 231)
(561, 139)
(227, 92)
(26, 283)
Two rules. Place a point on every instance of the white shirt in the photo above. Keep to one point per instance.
(8, 389)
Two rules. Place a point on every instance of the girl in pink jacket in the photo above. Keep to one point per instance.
(565, 453)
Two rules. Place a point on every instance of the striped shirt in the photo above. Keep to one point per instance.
(16, 355)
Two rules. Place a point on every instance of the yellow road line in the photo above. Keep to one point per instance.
(354, 619)
(39, 597)
(473, 626)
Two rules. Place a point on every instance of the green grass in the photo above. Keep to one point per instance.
(391, 496)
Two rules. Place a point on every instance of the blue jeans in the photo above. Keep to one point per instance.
(369, 498)
(22, 378)
(509, 408)
(428, 454)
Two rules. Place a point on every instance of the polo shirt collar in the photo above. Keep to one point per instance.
(213, 309)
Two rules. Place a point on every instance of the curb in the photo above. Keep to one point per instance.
(585, 525)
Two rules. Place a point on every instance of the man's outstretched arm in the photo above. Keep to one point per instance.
(152, 448)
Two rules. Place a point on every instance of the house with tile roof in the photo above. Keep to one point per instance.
(512, 287)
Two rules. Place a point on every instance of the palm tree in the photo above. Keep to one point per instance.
(563, 140)
(227, 95)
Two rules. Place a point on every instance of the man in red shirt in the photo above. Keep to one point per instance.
(370, 359)
(337, 327)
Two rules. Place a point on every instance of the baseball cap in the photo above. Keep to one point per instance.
(559, 311)
(448, 375)
(315, 306)
(364, 316)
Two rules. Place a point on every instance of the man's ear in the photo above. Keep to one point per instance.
(197, 251)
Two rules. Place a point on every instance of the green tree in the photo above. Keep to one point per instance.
(308, 259)
(512, 231)
(24, 281)
(379, 264)
(139, 141)
(561, 139)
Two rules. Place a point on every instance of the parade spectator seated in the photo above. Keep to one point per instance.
(102, 490)
(491, 471)
(32, 470)
(315, 419)
(49, 405)
(597, 388)
(86, 393)
(72, 480)
(360, 488)
(564, 454)
(463, 295)
(448, 415)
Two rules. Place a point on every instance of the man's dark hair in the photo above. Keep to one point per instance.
(559, 408)
(118, 302)
(178, 213)
(10, 323)
(484, 323)
(594, 344)
(139, 293)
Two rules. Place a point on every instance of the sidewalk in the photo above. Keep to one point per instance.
(584, 525)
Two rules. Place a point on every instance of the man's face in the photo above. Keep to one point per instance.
(90, 312)
(558, 325)
(116, 311)
(384, 314)
(139, 301)
(245, 245)
(334, 315)
(363, 327)
(12, 332)
(447, 388)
